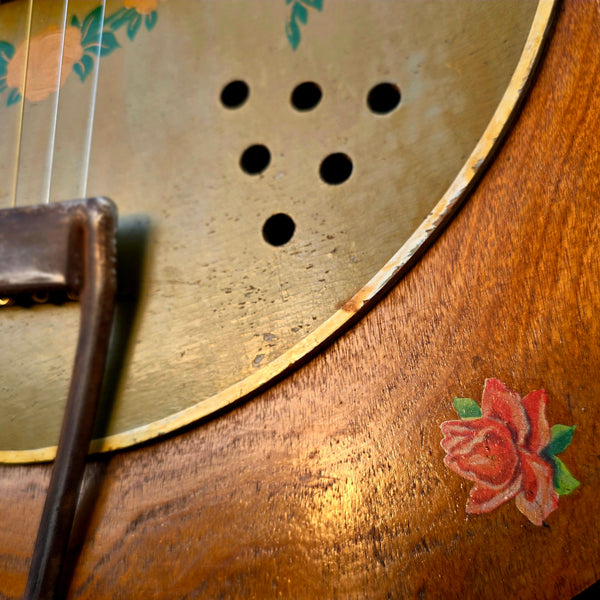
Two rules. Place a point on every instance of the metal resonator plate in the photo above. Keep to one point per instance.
(275, 163)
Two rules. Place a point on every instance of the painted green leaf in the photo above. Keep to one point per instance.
(88, 63)
(467, 408)
(292, 29)
(564, 482)
(3, 85)
(299, 12)
(119, 18)
(75, 22)
(560, 438)
(317, 4)
(108, 43)
(133, 26)
(107, 46)
(91, 27)
(79, 70)
(7, 51)
(151, 20)
(13, 97)
(84, 67)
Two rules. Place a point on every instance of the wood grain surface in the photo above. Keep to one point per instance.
(331, 484)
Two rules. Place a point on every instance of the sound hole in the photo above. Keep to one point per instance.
(278, 229)
(234, 94)
(255, 159)
(336, 168)
(306, 96)
(383, 98)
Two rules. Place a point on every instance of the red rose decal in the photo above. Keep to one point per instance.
(508, 450)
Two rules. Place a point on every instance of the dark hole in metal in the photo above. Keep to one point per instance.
(235, 93)
(306, 96)
(278, 229)
(255, 159)
(336, 168)
(383, 98)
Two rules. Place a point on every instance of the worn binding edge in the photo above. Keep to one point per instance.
(364, 299)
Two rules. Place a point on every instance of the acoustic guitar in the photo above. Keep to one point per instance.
(282, 169)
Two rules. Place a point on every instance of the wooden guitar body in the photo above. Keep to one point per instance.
(332, 483)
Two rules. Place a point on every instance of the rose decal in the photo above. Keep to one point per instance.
(507, 449)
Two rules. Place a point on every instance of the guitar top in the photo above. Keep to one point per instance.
(275, 166)
(444, 446)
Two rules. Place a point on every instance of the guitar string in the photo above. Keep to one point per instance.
(91, 114)
(20, 123)
(52, 138)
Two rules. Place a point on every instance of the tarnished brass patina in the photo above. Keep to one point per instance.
(208, 310)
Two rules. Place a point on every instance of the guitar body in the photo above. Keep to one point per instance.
(332, 483)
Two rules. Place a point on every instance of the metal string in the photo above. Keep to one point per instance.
(45, 199)
(20, 128)
(84, 173)
(90, 124)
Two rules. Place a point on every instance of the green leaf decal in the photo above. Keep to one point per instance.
(108, 43)
(564, 482)
(6, 51)
(299, 14)
(88, 63)
(13, 97)
(317, 4)
(292, 29)
(467, 408)
(79, 71)
(98, 38)
(133, 26)
(119, 18)
(151, 20)
(91, 28)
(560, 438)
(78, 68)
(84, 67)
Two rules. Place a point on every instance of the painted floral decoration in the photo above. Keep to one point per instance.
(507, 449)
(132, 15)
(44, 54)
(299, 13)
(88, 38)
(82, 42)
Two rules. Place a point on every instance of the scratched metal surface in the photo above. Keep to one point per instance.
(209, 310)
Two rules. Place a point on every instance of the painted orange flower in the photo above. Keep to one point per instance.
(132, 15)
(142, 7)
(43, 63)
(82, 44)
